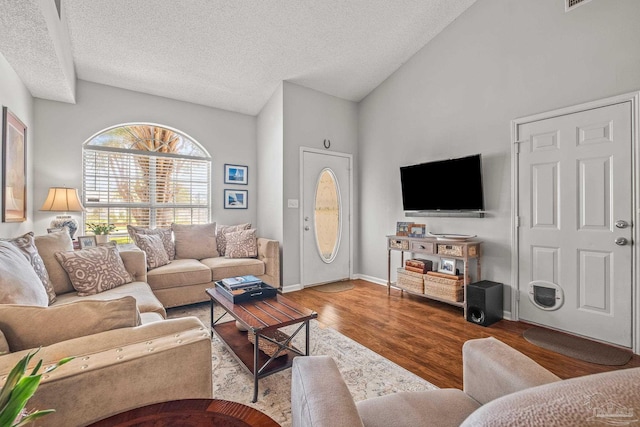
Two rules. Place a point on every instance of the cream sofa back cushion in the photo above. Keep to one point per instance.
(197, 241)
(26, 327)
(48, 245)
(19, 283)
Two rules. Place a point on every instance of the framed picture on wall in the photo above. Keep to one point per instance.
(235, 199)
(14, 168)
(236, 174)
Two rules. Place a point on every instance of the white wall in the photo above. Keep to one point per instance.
(310, 117)
(501, 59)
(269, 149)
(15, 96)
(228, 137)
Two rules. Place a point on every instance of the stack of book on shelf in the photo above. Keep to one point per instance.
(418, 265)
(245, 288)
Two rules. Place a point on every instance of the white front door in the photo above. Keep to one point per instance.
(326, 213)
(575, 198)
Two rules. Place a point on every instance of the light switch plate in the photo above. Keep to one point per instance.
(292, 203)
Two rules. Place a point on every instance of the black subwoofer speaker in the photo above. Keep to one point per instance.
(484, 302)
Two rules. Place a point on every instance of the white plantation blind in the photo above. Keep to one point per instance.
(144, 188)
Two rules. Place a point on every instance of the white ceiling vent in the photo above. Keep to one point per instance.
(572, 4)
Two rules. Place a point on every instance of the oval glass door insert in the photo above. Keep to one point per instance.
(327, 215)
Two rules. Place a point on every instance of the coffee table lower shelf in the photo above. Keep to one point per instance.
(243, 350)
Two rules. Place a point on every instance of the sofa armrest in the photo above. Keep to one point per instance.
(319, 395)
(122, 369)
(269, 253)
(492, 369)
(135, 261)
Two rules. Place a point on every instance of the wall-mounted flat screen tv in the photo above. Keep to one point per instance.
(445, 185)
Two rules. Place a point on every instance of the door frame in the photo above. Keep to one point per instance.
(634, 99)
(301, 213)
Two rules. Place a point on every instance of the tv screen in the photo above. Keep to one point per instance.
(446, 185)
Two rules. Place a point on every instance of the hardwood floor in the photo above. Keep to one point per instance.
(425, 336)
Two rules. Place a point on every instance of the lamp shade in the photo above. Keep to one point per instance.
(62, 199)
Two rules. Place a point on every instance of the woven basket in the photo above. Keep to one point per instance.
(266, 346)
(410, 281)
(453, 291)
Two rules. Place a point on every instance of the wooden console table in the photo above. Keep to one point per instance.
(435, 248)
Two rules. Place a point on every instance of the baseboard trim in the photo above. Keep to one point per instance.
(371, 279)
(291, 288)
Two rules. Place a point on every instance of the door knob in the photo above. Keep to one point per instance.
(621, 241)
(622, 224)
(306, 228)
(306, 218)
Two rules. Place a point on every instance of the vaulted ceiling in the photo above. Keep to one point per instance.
(229, 54)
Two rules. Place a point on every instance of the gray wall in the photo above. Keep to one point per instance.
(501, 59)
(309, 118)
(16, 96)
(63, 128)
(269, 150)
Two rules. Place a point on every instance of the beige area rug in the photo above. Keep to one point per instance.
(334, 287)
(576, 347)
(367, 373)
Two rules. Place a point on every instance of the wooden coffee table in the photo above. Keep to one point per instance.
(190, 412)
(261, 317)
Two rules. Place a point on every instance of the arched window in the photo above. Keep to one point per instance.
(145, 175)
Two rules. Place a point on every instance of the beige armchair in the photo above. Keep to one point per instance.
(502, 387)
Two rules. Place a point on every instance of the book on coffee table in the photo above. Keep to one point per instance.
(240, 282)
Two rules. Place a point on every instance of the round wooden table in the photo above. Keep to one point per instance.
(190, 413)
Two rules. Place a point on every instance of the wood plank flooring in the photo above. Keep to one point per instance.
(425, 336)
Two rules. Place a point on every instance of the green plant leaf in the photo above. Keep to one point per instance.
(22, 392)
(14, 376)
(33, 416)
(37, 368)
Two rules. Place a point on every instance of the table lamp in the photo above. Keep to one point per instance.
(62, 199)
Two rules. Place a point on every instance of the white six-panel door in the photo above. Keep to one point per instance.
(575, 201)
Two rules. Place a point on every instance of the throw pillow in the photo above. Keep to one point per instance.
(4, 345)
(152, 245)
(48, 245)
(196, 241)
(19, 283)
(221, 230)
(164, 233)
(26, 245)
(242, 244)
(31, 327)
(94, 270)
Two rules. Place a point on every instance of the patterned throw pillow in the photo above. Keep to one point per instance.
(242, 244)
(19, 283)
(164, 233)
(152, 245)
(27, 247)
(221, 239)
(94, 270)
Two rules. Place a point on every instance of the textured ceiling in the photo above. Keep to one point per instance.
(232, 54)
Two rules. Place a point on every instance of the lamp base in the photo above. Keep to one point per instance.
(65, 221)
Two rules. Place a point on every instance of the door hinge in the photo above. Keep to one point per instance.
(517, 221)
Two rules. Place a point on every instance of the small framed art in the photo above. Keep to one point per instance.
(236, 174)
(447, 265)
(87, 242)
(235, 199)
(14, 168)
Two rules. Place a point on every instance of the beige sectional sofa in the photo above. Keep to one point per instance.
(502, 387)
(126, 353)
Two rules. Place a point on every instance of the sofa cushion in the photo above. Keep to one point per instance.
(145, 298)
(19, 283)
(26, 245)
(599, 399)
(221, 240)
(154, 249)
(4, 345)
(164, 233)
(30, 326)
(94, 270)
(446, 407)
(222, 268)
(241, 244)
(181, 272)
(48, 245)
(196, 241)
